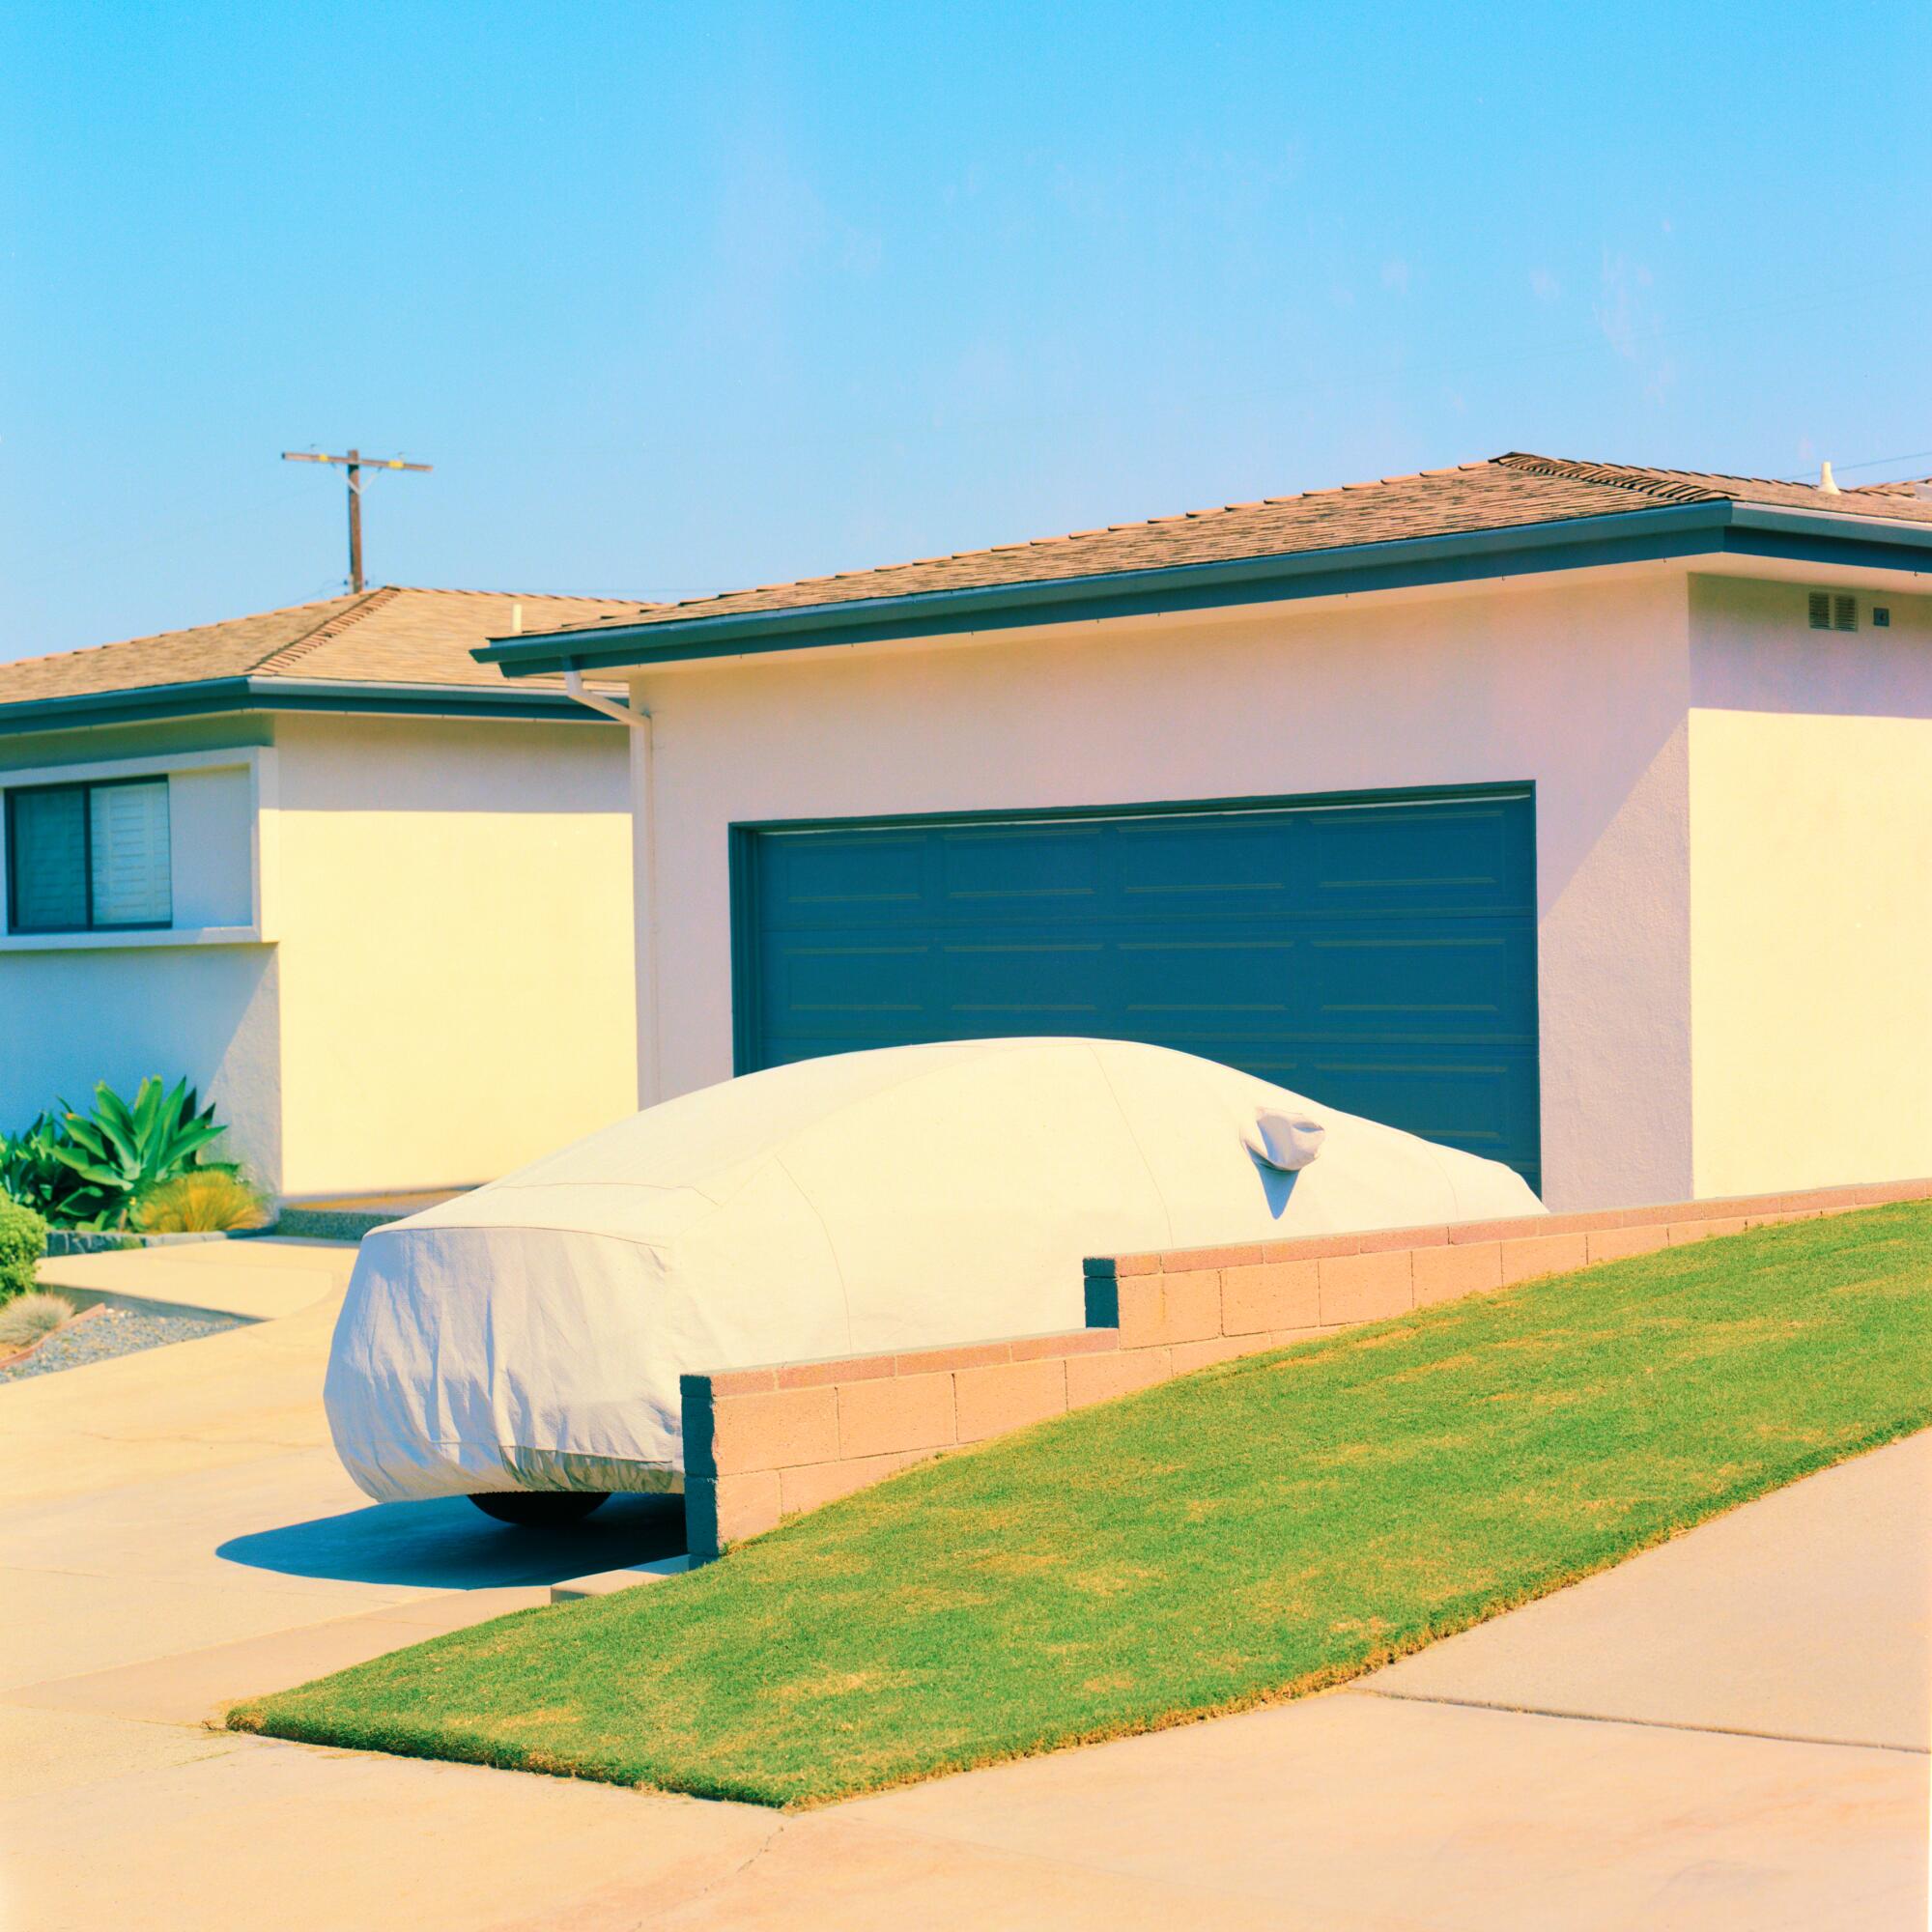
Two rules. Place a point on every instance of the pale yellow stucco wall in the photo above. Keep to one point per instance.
(1811, 891)
(452, 916)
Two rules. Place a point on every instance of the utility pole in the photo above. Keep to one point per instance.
(354, 462)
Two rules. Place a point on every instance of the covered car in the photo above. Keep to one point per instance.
(529, 1336)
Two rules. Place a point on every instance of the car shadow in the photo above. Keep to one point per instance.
(448, 1543)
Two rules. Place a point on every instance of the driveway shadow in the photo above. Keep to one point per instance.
(450, 1545)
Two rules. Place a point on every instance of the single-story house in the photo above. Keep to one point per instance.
(1574, 813)
(370, 896)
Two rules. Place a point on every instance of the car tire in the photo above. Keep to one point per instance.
(540, 1509)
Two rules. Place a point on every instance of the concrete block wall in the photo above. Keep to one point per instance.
(765, 1443)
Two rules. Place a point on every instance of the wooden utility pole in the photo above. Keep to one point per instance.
(354, 462)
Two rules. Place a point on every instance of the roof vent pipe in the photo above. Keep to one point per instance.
(1826, 482)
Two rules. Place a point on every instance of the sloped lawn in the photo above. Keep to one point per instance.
(1241, 1535)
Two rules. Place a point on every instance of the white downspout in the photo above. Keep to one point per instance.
(637, 720)
(643, 872)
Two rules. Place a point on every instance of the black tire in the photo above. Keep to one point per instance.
(540, 1509)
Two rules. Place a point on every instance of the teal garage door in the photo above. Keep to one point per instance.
(1378, 953)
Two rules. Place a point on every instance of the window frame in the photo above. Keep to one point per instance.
(87, 788)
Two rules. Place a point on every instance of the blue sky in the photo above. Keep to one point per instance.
(683, 299)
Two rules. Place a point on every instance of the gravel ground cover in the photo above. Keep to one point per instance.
(113, 1332)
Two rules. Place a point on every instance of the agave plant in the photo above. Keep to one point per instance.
(120, 1151)
(33, 1173)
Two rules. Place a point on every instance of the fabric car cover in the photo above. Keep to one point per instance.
(530, 1334)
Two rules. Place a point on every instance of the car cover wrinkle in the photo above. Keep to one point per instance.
(1126, 1121)
(831, 1246)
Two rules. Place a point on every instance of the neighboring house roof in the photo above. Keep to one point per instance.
(410, 648)
(1515, 493)
(1918, 486)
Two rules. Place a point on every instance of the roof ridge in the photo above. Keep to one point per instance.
(1898, 486)
(1617, 475)
(178, 630)
(1103, 530)
(284, 656)
(526, 596)
(1683, 485)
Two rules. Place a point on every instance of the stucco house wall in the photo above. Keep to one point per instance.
(456, 947)
(1579, 685)
(201, 1002)
(402, 954)
(70, 1019)
(1811, 889)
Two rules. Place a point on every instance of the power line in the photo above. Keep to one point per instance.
(1886, 462)
(354, 463)
(1870, 462)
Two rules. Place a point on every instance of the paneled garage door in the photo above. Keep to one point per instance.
(1378, 953)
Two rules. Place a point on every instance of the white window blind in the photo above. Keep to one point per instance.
(129, 836)
(88, 856)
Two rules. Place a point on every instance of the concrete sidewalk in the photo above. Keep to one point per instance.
(1619, 1755)
(1726, 1731)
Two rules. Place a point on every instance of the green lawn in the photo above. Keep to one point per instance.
(1241, 1535)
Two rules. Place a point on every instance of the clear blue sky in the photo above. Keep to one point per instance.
(685, 298)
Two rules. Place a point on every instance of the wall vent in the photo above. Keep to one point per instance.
(1832, 611)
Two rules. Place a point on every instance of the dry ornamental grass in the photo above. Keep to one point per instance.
(203, 1199)
(29, 1318)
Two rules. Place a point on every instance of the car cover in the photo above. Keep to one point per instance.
(531, 1334)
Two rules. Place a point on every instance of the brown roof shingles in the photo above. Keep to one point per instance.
(1502, 493)
(385, 635)
(395, 636)
(1918, 488)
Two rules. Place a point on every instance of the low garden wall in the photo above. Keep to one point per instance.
(65, 1242)
(765, 1443)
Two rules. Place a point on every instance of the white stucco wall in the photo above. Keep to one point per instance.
(67, 1019)
(454, 917)
(78, 1010)
(1812, 891)
(1579, 686)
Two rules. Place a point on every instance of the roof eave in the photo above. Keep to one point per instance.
(207, 696)
(1673, 531)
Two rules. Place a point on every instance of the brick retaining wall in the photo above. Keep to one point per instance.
(765, 1443)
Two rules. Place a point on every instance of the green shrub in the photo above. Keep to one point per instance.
(33, 1173)
(205, 1200)
(88, 1170)
(23, 1241)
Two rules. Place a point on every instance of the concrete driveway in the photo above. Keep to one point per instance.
(1731, 1730)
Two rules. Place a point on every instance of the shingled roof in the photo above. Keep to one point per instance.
(1505, 492)
(389, 636)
